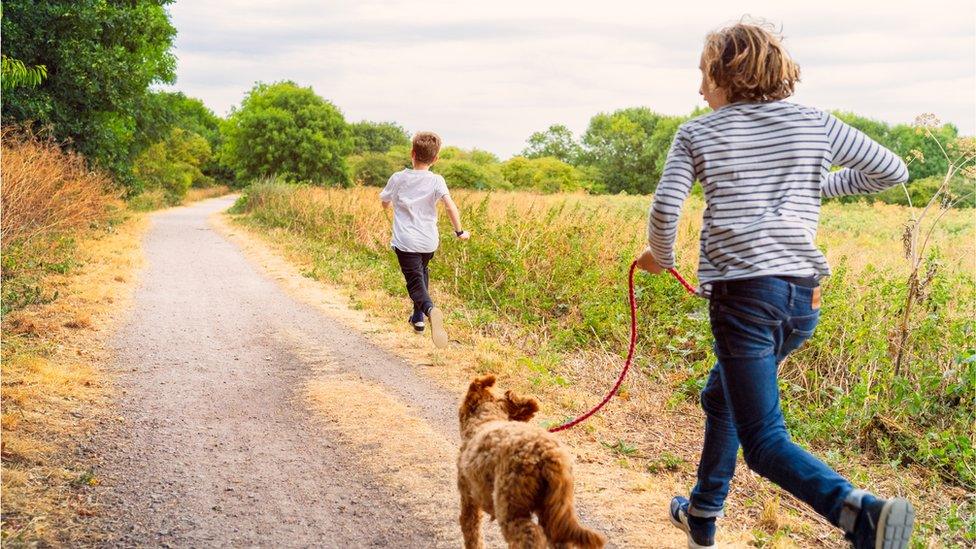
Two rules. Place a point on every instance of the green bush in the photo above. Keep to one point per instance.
(173, 165)
(544, 174)
(287, 131)
(377, 137)
(375, 168)
(465, 173)
(920, 191)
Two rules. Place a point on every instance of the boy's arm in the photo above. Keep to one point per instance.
(672, 190)
(455, 216)
(868, 167)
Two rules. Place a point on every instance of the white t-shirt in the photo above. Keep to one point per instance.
(414, 194)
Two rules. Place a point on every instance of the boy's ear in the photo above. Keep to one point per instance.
(520, 408)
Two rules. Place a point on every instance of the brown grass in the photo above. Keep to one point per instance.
(55, 238)
(47, 190)
(202, 193)
(54, 393)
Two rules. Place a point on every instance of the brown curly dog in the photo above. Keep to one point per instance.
(510, 470)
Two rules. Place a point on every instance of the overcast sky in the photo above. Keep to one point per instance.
(487, 74)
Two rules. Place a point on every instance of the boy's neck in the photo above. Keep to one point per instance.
(419, 166)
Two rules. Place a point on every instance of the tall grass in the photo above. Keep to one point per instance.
(547, 273)
(47, 190)
(48, 197)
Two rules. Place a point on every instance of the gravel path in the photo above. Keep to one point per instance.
(215, 445)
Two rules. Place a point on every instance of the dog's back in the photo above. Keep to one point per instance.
(512, 469)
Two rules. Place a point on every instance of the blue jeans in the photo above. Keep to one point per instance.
(756, 324)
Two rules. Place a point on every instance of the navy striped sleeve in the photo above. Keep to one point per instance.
(672, 190)
(867, 166)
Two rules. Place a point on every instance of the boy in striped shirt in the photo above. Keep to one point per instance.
(764, 165)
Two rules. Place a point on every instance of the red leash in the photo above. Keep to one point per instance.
(630, 351)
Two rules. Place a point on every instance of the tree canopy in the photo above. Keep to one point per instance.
(286, 130)
(100, 58)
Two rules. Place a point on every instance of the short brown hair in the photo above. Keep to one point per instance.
(749, 62)
(426, 145)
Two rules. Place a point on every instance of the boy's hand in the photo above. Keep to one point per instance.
(647, 263)
(463, 235)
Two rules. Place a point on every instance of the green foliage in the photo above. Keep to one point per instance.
(24, 265)
(14, 73)
(375, 168)
(173, 165)
(628, 148)
(101, 57)
(903, 139)
(544, 174)
(474, 169)
(161, 112)
(557, 141)
(377, 137)
(920, 191)
(286, 130)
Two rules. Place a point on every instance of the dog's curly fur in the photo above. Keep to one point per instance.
(512, 470)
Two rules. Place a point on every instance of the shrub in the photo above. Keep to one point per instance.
(377, 137)
(374, 168)
(468, 174)
(173, 165)
(546, 175)
(286, 130)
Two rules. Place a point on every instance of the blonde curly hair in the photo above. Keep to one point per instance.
(749, 62)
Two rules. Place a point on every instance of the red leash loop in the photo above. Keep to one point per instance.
(630, 350)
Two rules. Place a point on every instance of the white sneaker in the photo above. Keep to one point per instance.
(437, 331)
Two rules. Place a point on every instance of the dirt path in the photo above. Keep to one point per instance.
(217, 443)
(255, 412)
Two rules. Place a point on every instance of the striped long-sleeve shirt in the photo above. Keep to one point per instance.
(764, 168)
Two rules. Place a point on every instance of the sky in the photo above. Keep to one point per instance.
(487, 74)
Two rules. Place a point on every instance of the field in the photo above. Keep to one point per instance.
(541, 288)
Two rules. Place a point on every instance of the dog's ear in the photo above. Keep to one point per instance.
(482, 383)
(520, 408)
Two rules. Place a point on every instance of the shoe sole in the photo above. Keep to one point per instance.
(684, 528)
(437, 331)
(895, 524)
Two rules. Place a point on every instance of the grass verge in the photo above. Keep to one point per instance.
(53, 389)
(540, 290)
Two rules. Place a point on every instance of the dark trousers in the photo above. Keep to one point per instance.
(413, 265)
(756, 324)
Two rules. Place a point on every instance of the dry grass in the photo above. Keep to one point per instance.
(46, 190)
(54, 393)
(67, 254)
(196, 194)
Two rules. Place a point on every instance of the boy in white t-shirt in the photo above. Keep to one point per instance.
(414, 194)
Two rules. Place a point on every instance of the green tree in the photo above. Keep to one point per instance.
(173, 164)
(619, 146)
(101, 57)
(162, 111)
(375, 168)
(377, 137)
(287, 130)
(557, 141)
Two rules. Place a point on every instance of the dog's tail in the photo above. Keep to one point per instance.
(557, 516)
